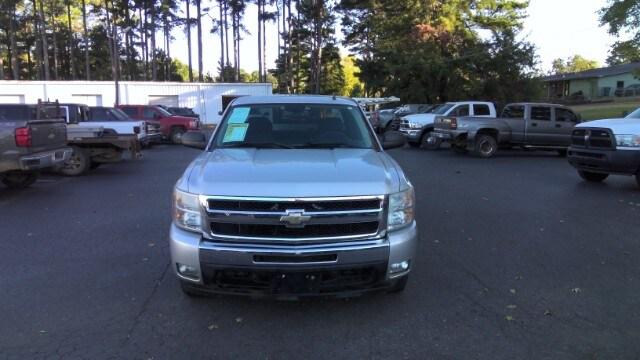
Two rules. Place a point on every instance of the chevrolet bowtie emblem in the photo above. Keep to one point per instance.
(295, 218)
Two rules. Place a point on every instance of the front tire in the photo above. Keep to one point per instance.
(485, 146)
(19, 179)
(429, 142)
(592, 176)
(78, 164)
(176, 135)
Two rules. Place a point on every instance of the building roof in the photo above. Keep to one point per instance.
(595, 73)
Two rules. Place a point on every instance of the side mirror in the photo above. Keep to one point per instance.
(194, 139)
(393, 139)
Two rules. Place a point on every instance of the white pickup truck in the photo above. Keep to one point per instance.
(418, 127)
(603, 147)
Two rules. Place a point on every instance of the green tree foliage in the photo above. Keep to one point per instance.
(573, 64)
(622, 17)
(352, 85)
(432, 51)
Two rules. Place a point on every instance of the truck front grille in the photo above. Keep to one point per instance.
(592, 138)
(290, 220)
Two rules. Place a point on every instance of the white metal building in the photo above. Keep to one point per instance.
(206, 99)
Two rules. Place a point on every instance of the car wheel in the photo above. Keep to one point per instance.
(592, 176)
(78, 164)
(486, 146)
(399, 285)
(19, 179)
(176, 135)
(430, 142)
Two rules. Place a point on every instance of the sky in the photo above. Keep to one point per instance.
(558, 29)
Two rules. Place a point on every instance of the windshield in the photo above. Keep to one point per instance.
(163, 112)
(294, 126)
(634, 115)
(441, 109)
(120, 115)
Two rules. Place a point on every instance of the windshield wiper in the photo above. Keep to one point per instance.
(265, 145)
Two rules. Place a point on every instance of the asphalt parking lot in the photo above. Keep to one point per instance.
(518, 259)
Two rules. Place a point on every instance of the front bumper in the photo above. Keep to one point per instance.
(611, 161)
(413, 135)
(369, 262)
(45, 159)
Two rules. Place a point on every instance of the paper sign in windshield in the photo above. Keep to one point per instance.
(235, 132)
(239, 115)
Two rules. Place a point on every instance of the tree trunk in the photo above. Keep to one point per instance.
(45, 45)
(143, 42)
(260, 41)
(110, 42)
(236, 53)
(154, 65)
(222, 31)
(14, 47)
(37, 53)
(289, 71)
(72, 63)
(189, 40)
(226, 32)
(264, 46)
(55, 46)
(85, 40)
(199, 25)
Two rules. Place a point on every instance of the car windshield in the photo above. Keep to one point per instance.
(294, 126)
(441, 109)
(163, 112)
(634, 115)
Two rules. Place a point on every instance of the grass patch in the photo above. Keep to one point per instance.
(605, 111)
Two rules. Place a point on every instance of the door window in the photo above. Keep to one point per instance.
(130, 111)
(148, 113)
(513, 112)
(565, 115)
(462, 110)
(620, 84)
(542, 113)
(481, 110)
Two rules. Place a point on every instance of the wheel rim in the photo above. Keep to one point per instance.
(177, 136)
(486, 147)
(73, 163)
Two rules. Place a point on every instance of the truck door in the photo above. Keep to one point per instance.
(565, 120)
(513, 115)
(540, 128)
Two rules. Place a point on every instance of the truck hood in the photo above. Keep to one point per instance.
(292, 173)
(423, 119)
(618, 126)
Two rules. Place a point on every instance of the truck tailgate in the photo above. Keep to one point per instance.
(47, 134)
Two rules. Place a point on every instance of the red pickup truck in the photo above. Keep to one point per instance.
(171, 126)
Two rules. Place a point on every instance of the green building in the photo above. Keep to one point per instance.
(619, 80)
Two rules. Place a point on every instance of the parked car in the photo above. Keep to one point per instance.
(183, 111)
(293, 195)
(95, 143)
(117, 120)
(171, 126)
(30, 141)
(604, 147)
(631, 90)
(523, 124)
(418, 127)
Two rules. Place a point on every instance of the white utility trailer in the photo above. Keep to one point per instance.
(206, 99)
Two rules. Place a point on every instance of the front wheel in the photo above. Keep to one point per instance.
(78, 164)
(19, 179)
(430, 142)
(592, 176)
(176, 135)
(485, 146)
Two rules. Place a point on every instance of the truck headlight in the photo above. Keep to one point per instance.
(628, 141)
(401, 209)
(186, 211)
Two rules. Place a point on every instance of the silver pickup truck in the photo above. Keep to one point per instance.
(29, 142)
(293, 196)
(529, 125)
